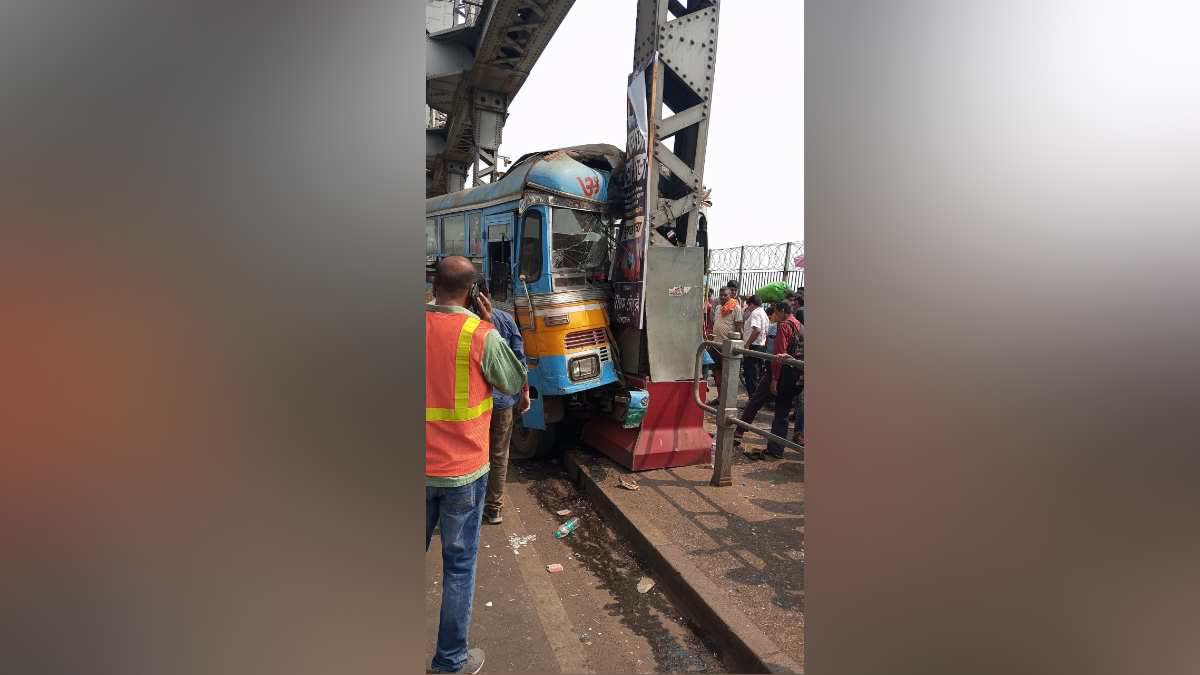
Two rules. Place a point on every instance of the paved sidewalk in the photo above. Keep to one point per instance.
(747, 539)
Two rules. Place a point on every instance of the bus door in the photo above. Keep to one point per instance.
(498, 259)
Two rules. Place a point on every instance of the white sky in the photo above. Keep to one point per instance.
(576, 95)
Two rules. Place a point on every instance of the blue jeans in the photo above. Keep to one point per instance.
(459, 512)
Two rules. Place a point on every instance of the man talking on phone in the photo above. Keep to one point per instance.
(502, 414)
(465, 360)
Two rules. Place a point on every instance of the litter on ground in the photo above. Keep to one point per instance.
(517, 542)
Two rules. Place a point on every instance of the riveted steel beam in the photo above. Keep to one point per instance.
(491, 111)
(672, 125)
(435, 142)
(445, 58)
(506, 38)
(684, 36)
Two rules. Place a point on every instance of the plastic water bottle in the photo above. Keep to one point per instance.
(566, 528)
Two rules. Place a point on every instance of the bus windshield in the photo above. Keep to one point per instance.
(578, 240)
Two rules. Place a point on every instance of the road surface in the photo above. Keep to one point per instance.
(588, 618)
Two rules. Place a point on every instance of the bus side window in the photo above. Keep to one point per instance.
(431, 237)
(531, 246)
(475, 236)
(454, 230)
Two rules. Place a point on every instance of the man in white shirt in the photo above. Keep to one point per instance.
(756, 339)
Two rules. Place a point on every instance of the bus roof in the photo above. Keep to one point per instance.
(554, 171)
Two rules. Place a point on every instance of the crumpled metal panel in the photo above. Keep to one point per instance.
(557, 172)
(605, 156)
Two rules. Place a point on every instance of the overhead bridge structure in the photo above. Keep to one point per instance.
(478, 54)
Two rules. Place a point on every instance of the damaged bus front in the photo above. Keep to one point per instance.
(543, 238)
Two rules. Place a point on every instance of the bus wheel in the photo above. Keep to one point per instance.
(529, 443)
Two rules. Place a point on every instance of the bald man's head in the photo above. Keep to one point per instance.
(455, 275)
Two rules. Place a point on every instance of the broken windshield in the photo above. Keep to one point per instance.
(579, 240)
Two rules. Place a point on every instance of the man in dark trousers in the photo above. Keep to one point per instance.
(787, 329)
(503, 407)
(787, 382)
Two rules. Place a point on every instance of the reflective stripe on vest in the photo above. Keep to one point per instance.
(462, 411)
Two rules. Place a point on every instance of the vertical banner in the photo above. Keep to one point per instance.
(629, 276)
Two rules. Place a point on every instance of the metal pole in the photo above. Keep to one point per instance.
(741, 260)
(731, 367)
(787, 255)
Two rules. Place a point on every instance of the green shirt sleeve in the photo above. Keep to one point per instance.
(501, 367)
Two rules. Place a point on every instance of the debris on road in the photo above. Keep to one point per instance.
(645, 584)
(554, 568)
(566, 528)
(488, 604)
(628, 483)
(517, 542)
(563, 513)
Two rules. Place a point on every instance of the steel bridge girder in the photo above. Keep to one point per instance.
(511, 37)
(686, 46)
(444, 58)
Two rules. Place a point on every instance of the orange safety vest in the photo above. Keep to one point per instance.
(458, 400)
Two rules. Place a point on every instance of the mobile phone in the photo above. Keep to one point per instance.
(473, 295)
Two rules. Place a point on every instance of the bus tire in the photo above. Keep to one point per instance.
(527, 443)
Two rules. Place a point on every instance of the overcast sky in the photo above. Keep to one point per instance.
(576, 95)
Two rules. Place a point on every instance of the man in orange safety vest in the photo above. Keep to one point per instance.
(464, 359)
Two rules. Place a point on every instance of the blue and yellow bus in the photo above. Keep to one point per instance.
(539, 236)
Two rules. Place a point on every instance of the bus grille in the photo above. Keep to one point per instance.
(585, 338)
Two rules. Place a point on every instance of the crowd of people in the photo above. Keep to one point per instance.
(774, 328)
(476, 381)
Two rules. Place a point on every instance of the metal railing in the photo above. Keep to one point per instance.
(726, 412)
(756, 266)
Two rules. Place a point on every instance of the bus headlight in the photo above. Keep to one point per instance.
(583, 367)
